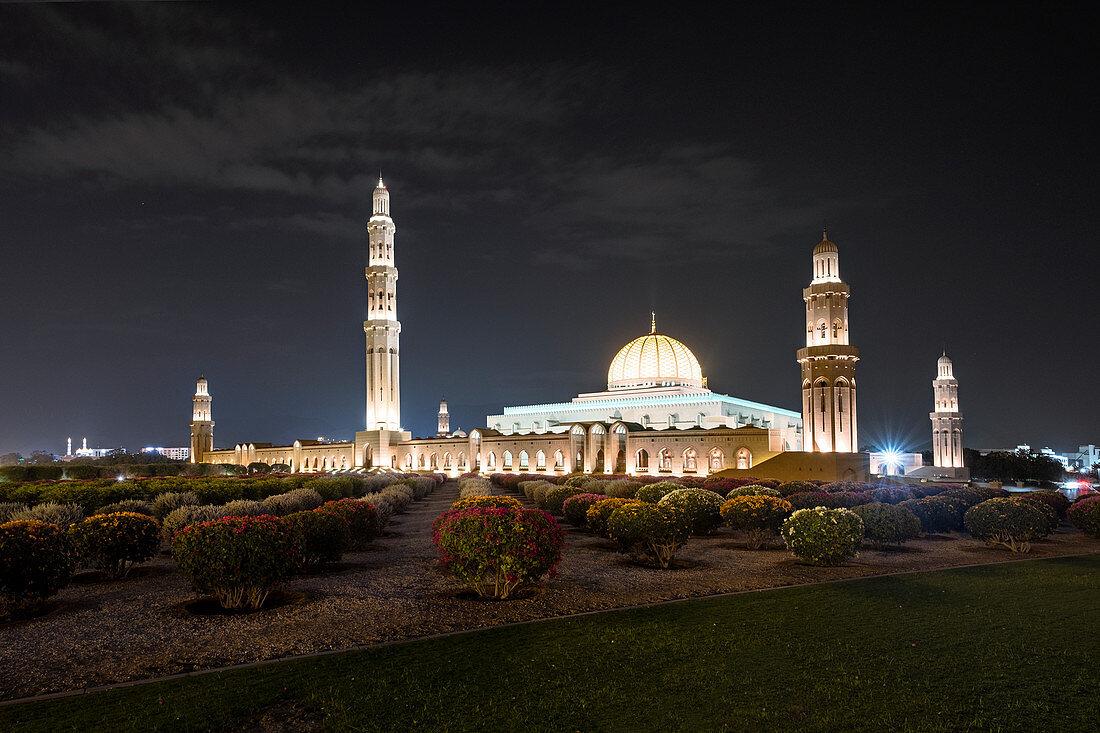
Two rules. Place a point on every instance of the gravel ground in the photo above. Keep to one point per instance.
(103, 632)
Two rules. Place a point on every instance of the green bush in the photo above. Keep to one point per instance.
(651, 531)
(539, 493)
(187, 515)
(823, 536)
(1056, 500)
(136, 506)
(653, 493)
(324, 536)
(1008, 522)
(63, 515)
(295, 500)
(1048, 510)
(360, 517)
(600, 511)
(13, 473)
(258, 467)
(1085, 515)
(575, 508)
(115, 543)
(796, 487)
(35, 563)
(937, 513)
(759, 516)
(575, 482)
(166, 503)
(974, 495)
(702, 508)
(622, 488)
(238, 559)
(887, 524)
(556, 497)
(752, 490)
(244, 508)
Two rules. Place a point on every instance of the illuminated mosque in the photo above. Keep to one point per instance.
(656, 416)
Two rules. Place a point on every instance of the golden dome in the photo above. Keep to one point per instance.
(654, 360)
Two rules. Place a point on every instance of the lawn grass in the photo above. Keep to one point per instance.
(999, 647)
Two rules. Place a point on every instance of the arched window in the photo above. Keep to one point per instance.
(821, 328)
(523, 459)
(836, 329)
(540, 460)
(393, 461)
(507, 459)
(744, 458)
(664, 459)
(641, 460)
(408, 460)
(559, 459)
(717, 459)
(420, 461)
(433, 464)
(691, 459)
(462, 460)
(447, 460)
(492, 459)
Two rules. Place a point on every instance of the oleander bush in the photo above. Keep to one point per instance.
(937, 513)
(595, 486)
(753, 490)
(114, 543)
(324, 536)
(295, 500)
(575, 482)
(823, 536)
(796, 487)
(187, 515)
(758, 516)
(1084, 514)
(400, 497)
(240, 560)
(166, 503)
(135, 506)
(1008, 522)
(9, 508)
(649, 531)
(600, 511)
(497, 551)
(701, 507)
(382, 507)
(244, 508)
(63, 515)
(474, 486)
(540, 491)
(811, 499)
(653, 493)
(887, 524)
(360, 517)
(36, 561)
(891, 495)
(508, 502)
(556, 497)
(1056, 500)
(575, 508)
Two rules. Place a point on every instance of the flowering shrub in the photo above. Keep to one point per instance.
(796, 487)
(474, 486)
(937, 513)
(1008, 522)
(116, 542)
(599, 512)
(324, 536)
(35, 563)
(576, 481)
(887, 524)
(1054, 499)
(557, 496)
(823, 536)
(498, 550)
(238, 559)
(752, 490)
(1050, 514)
(166, 503)
(1085, 515)
(757, 515)
(135, 506)
(810, 499)
(701, 507)
(507, 502)
(653, 493)
(575, 508)
(360, 517)
(188, 515)
(649, 530)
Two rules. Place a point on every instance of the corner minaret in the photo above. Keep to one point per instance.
(382, 327)
(947, 450)
(202, 422)
(828, 361)
(444, 428)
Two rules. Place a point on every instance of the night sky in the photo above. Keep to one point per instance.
(184, 188)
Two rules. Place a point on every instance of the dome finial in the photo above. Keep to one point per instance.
(653, 321)
(824, 230)
(380, 184)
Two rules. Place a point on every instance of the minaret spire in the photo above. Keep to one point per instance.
(382, 328)
(653, 321)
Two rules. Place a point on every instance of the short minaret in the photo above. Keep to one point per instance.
(202, 422)
(69, 447)
(382, 327)
(444, 428)
(829, 360)
(947, 450)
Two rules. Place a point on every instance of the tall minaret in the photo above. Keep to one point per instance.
(69, 447)
(202, 422)
(382, 326)
(444, 428)
(947, 450)
(828, 361)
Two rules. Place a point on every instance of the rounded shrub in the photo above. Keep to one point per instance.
(497, 550)
(796, 487)
(382, 507)
(575, 508)
(1085, 515)
(360, 518)
(887, 524)
(759, 516)
(116, 542)
(1049, 512)
(36, 562)
(1007, 522)
(974, 495)
(509, 502)
(701, 507)
(244, 508)
(891, 495)
(238, 559)
(556, 497)
(653, 493)
(651, 531)
(752, 490)
(540, 491)
(324, 536)
(600, 511)
(135, 506)
(811, 499)
(166, 503)
(296, 500)
(622, 488)
(10, 508)
(575, 482)
(1056, 500)
(187, 515)
(937, 513)
(823, 536)
(63, 515)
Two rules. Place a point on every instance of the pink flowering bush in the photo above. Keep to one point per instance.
(575, 508)
(497, 551)
(1085, 515)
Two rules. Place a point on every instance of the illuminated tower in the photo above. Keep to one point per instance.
(828, 361)
(444, 428)
(202, 422)
(947, 450)
(382, 326)
(69, 447)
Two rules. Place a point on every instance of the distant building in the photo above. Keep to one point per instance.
(947, 446)
(1085, 457)
(175, 454)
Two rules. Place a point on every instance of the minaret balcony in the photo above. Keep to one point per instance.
(834, 351)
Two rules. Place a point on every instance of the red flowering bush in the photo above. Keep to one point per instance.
(508, 502)
(238, 559)
(575, 508)
(324, 535)
(116, 542)
(496, 550)
(1085, 515)
(35, 563)
(361, 518)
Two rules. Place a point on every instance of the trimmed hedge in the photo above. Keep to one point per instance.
(507, 502)
(575, 508)
(887, 524)
(361, 519)
(937, 513)
(653, 493)
(823, 536)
